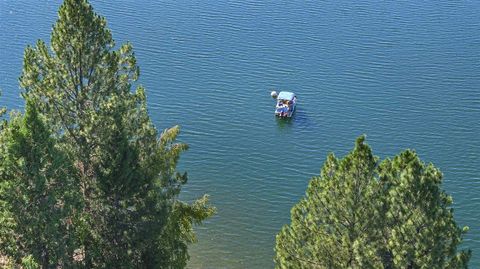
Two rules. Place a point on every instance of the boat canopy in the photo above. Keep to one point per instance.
(285, 96)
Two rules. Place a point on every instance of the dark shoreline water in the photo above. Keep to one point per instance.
(407, 74)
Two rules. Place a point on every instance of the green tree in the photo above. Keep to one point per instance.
(419, 228)
(331, 226)
(37, 191)
(122, 169)
(360, 213)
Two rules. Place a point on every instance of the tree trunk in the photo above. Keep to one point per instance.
(45, 258)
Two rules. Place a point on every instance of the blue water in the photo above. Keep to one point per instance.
(406, 73)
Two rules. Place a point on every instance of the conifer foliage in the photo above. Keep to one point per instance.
(38, 190)
(86, 179)
(362, 213)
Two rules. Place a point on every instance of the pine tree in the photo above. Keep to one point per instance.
(420, 229)
(331, 226)
(362, 214)
(124, 171)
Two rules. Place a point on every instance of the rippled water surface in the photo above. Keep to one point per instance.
(406, 73)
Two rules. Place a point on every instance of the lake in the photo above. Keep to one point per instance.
(406, 73)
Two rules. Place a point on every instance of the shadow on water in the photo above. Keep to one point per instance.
(300, 119)
(284, 123)
(303, 120)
